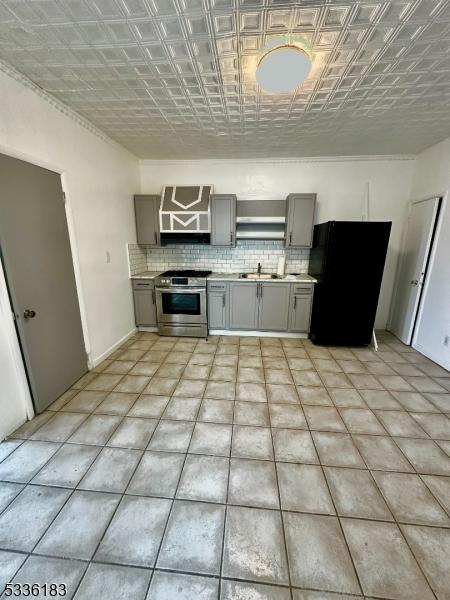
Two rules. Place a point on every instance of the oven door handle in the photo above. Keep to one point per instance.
(181, 290)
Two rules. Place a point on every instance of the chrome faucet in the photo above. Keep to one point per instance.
(259, 268)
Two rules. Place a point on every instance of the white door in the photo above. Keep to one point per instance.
(413, 261)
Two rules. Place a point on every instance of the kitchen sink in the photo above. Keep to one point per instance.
(259, 276)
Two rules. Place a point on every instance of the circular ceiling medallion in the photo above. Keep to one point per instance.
(282, 69)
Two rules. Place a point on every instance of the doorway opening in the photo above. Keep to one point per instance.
(414, 267)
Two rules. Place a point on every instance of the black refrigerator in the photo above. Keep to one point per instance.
(347, 259)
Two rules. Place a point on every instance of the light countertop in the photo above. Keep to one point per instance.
(300, 278)
(146, 275)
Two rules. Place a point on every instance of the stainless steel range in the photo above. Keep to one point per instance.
(181, 303)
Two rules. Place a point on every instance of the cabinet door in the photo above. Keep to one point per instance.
(301, 313)
(145, 307)
(243, 305)
(146, 210)
(223, 220)
(217, 309)
(274, 306)
(300, 220)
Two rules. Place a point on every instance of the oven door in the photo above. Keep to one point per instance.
(181, 305)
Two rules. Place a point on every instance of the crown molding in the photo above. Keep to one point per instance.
(292, 160)
(13, 73)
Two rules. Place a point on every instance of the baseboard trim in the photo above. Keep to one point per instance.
(437, 359)
(98, 359)
(245, 333)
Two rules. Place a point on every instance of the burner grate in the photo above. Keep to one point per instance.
(186, 273)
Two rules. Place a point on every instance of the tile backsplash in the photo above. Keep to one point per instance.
(137, 258)
(245, 257)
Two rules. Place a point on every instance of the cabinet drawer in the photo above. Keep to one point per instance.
(143, 284)
(304, 288)
(217, 286)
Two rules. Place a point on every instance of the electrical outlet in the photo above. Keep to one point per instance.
(447, 340)
(108, 257)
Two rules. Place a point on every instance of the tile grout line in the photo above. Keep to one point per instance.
(67, 500)
(119, 504)
(338, 519)
(342, 530)
(195, 421)
(226, 499)
(283, 527)
(169, 514)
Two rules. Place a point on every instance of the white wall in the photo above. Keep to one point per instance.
(340, 185)
(100, 179)
(432, 178)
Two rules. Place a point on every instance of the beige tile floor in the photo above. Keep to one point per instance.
(236, 468)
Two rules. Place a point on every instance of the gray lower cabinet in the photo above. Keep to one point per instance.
(146, 210)
(243, 305)
(217, 305)
(217, 310)
(144, 302)
(300, 313)
(300, 210)
(223, 220)
(264, 306)
(274, 306)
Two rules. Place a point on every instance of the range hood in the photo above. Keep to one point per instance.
(184, 214)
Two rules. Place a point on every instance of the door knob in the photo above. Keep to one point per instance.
(29, 314)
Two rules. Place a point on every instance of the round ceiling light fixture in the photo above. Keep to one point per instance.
(283, 68)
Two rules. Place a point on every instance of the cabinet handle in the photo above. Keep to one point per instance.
(231, 237)
(257, 290)
(295, 302)
(156, 238)
(153, 297)
(223, 299)
(290, 237)
(261, 289)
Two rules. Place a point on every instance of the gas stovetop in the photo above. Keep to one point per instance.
(185, 273)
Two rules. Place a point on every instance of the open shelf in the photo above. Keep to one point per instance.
(256, 234)
(261, 220)
(256, 220)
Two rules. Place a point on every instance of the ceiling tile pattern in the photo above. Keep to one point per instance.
(176, 78)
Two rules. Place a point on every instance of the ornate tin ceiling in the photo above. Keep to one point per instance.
(176, 78)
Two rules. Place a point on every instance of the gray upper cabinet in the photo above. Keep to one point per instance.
(146, 210)
(300, 220)
(144, 302)
(274, 306)
(223, 220)
(243, 305)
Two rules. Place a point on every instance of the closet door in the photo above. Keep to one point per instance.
(412, 270)
(37, 257)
